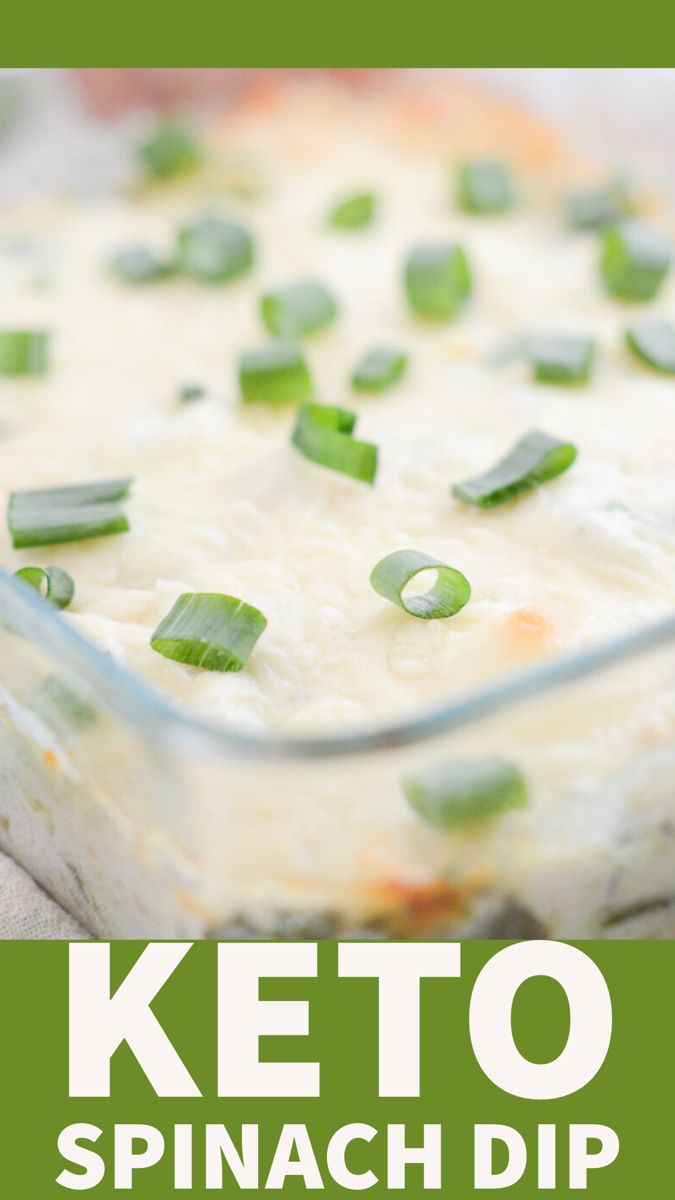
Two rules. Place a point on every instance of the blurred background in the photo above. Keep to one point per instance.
(71, 128)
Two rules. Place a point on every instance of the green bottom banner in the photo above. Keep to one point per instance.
(359, 1066)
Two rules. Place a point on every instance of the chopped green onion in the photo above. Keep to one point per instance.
(450, 592)
(323, 434)
(138, 264)
(354, 212)
(191, 391)
(437, 280)
(598, 207)
(60, 700)
(53, 583)
(535, 459)
(276, 375)
(300, 308)
(654, 343)
(560, 358)
(485, 186)
(172, 149)
(24, 351)
(458, 793)
(209, 630)
(379, 369)
(635, 260)
(213, 250)
(67, 514)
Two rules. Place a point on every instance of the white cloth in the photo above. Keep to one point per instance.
(26, 912)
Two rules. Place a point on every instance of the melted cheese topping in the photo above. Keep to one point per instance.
(223, 502)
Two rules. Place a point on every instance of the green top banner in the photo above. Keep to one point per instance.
(431, 34)
(178, 1067)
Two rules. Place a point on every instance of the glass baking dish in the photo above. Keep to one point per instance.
(145, 822)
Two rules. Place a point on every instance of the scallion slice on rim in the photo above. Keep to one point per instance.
(138, 264)
(53, 583)
(67, 514)
(449, 593)
(323, 433)
(354, 212)
(561, 358)
(172, 149)
(635, 260)
(24, 351)
(437, 280)
(485, 186)
(654, 343)
(276, 374)
(465, 790)
(535, 459)
(214, 250)
(209, 630)
(379, 369)
(300, 308)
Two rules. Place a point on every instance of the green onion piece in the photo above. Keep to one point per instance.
(437, 280)
(458, 793)
(354, 212)
(276, 375)
(450, 592)
(379, 369)
(485, 186)
(53, 583)
(598, 207)
(323, 434)
(138, 264)
(560, 358)
(300, 308)
(635, 260)
(67, 514)
(213, 250)
(24, 351)
(535, 459)
(209, 630)
(191, 391)
(654, 343)
(60, 700)
(172, 149)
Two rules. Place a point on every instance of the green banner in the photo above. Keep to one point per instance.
(524, 1067)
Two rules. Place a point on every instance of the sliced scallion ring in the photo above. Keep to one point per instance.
(354, 212)
(172, 149)
(323, 433)
(24, 351)
(600, 206)
(485, 186)
(465, 790)
(447, 596)
(214, 250)
(535, 459)
(189, 392)
(138, 264)
(209, 630)
(379, 369)
(560, 358)
(437, 280)
(654, 343)
(635, 261)
(298, 309)
(67, 514)
(53, 583)
(276, 374)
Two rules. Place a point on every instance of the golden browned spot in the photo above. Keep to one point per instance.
(529, 630)
(51, 759)
(419, 907)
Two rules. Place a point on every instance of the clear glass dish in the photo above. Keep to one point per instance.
(145, 822)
